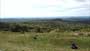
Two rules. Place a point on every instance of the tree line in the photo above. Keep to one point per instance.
(41, 27)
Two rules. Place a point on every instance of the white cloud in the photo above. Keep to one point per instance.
(42, 8)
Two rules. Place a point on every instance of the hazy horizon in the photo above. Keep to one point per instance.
(44, 8)
(44, 17)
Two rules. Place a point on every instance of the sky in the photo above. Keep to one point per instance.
(44, 8)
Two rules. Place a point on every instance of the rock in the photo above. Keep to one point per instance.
(74, 46)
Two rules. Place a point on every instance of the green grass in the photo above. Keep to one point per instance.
(11, 41)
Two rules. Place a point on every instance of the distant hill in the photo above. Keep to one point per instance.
(78, 19)
(70, 19)
(17, 19)
(29, 19)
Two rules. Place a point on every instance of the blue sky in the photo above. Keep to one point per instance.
(44, 8)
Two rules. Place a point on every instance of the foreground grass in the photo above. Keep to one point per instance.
(11, 41)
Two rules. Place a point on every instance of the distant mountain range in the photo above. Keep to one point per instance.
(70, 19)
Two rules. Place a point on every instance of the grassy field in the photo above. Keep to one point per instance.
(12, 41)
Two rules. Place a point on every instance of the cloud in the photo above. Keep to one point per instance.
(42, 8)
(81, 0)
